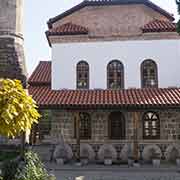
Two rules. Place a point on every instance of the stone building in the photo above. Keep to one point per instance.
(112, 87)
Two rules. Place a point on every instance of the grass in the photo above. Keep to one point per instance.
(4, 156)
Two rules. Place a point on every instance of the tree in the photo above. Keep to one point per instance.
(178, 23)
(18, 111)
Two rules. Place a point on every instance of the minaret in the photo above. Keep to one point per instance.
(12, 60)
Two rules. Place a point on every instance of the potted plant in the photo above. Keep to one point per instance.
(107, 157)
(156, 159)
(84, 157)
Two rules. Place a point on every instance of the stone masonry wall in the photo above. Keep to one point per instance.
(12, 64)
(170, 124)
(63, 122)
(110, 23)
(119, 20)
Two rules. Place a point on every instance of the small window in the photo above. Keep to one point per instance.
(151, 126)
(82, 75)
(149, 74)
(115, 75)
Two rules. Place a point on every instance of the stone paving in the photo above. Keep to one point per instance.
(102, 175)
(115, 173)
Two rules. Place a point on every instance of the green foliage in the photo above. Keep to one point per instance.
(8, 155)
(18, 111)
(178, 3)
(29, 168)
(178, 24)
(9, 169)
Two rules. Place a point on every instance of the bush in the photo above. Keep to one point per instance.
(9, 169)
(4, 156)
(30, 168)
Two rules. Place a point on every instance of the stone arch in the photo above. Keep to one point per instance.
(86, 150)
(107, 150)
(147, 152)
(172, 152)
(63, 151)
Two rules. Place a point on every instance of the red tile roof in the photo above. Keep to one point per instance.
(159, 26)
(40, 89)
(135, 98)
(42, 74)
(68, 29)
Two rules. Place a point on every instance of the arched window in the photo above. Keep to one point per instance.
(82, 75)
(84, 126)
(149, 74)
(117, 126)
(151, 126)
(115, 75)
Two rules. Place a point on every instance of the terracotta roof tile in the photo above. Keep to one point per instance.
(44, 96)
(42, 74)
(40, 89)
(159, 26)
(68, 29)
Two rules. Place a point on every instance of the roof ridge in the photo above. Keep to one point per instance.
(43, 61)
(70, 23)
(108, 2)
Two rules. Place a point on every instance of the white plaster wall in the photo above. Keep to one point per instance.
(166, 53)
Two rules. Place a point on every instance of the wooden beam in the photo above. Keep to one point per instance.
(136, 125)
(78, 143)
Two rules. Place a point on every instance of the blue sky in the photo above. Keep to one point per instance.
(37, 13)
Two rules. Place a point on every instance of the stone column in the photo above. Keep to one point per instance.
(12, 60)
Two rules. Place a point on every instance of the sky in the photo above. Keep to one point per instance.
(38, 12)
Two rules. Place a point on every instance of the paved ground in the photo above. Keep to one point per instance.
(115, 173)
(101, 175)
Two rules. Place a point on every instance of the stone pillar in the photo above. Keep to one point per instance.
(12, 61)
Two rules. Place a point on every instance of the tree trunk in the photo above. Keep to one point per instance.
(23, 137)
